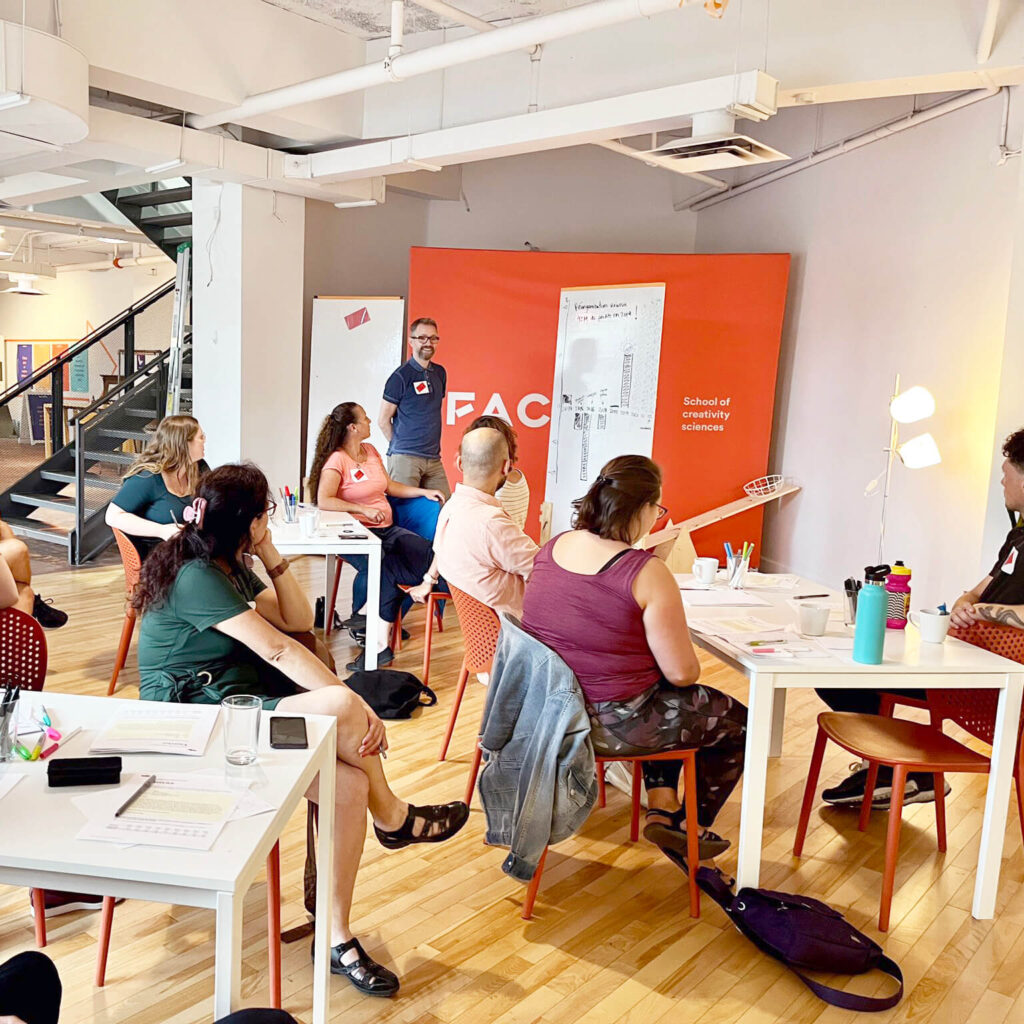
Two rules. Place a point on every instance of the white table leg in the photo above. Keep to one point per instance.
(324, 880)
(372, 607)
(778, 721)
(329, 563)
(227, 969)
(993, 829)
(755, 768)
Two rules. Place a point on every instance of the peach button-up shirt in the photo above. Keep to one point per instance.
(481, 551)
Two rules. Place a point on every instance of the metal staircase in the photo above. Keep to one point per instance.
(162, 210)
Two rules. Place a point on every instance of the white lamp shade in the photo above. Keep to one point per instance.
(919, 452)
(916, 403)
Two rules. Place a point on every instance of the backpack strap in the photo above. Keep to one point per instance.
(852, 1001)
(427, 692)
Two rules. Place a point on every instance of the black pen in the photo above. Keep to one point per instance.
(805, 597)
(135, 796)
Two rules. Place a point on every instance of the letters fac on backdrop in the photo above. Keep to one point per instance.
(605, 386)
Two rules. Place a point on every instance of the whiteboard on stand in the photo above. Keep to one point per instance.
(355, 345)
(605, 387)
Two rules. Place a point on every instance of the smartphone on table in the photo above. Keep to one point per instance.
(288, 733)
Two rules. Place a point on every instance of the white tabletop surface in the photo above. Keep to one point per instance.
(331, 538)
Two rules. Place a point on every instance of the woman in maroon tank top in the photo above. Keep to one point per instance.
(615, 616)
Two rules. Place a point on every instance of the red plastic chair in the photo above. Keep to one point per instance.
(23, 658)
(132, 567)
(910, 747)
(480, 629)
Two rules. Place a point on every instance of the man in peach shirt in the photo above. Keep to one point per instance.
(477, 547)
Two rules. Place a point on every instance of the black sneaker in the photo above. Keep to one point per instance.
(57, 903)
(359, 635)
(851, 790)
(924, 789)
(46, 615)
(385, 657)
(318, 615)
(354, 622)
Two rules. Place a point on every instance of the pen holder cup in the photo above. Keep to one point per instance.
(850, 608)
(736, 568)
(290, 512)
(8, 733)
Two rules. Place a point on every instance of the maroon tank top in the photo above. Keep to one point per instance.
(593, 623)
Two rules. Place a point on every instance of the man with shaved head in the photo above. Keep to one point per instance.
(477, 547)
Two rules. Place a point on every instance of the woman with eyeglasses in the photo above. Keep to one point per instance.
(615, 616)
(210, 629)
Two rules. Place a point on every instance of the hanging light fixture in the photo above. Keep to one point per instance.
(24, 284)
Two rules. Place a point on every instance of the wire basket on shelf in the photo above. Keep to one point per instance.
(764, 485)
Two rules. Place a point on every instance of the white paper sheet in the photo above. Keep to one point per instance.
(738, 624)
(722, 598)
(8, 782)
(154, 728)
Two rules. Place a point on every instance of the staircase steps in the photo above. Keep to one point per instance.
(91, 480)
(36, 530)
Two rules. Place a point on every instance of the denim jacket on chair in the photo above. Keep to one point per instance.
(539, 780)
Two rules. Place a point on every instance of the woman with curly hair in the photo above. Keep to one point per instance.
(210, 629)
(348, 475)
(160, 483)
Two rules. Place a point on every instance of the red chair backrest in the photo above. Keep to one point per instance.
(130, 560)
(975, 710)
(480, 629)
(22, 650)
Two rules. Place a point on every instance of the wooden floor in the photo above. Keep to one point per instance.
(611, 940)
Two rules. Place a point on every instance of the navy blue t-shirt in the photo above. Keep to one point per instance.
(419, 395)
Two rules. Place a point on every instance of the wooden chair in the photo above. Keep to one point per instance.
(23, 658)
(480, 629)
(132, 564)
(911, 747)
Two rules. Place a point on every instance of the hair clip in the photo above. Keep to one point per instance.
(195, 512)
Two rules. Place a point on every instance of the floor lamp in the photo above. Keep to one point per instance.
(909, 406)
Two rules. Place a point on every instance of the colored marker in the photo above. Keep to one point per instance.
(49, 750)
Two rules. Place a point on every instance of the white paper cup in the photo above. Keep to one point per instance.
(932, 625)
(704, 570)
(813, 619)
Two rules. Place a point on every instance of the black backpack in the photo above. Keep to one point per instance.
(390, 693)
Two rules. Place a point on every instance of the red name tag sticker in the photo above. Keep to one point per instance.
(422, 387)
(358, 474)
(1011, 562)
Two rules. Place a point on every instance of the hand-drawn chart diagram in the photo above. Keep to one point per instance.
(605, 387)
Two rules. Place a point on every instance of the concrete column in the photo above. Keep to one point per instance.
(247, 326)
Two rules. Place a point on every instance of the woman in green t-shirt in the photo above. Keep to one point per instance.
(160, 484)
(210, 628)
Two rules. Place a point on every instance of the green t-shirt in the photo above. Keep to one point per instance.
(177, 638)
(146, 495)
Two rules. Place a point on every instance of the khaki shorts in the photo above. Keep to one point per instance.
(417, 471)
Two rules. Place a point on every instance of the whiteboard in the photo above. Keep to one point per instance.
(605, 387)
(355, 345)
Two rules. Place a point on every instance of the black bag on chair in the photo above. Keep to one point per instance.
(390, 693)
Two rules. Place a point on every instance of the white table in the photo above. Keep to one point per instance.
(330, 541)
(39, 848)
(907, 664)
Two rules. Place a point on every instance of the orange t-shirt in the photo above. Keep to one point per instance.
(362, 483)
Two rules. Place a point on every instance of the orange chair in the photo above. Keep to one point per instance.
(910, 747)
(480, 629)
(23, 658)
(132, 567)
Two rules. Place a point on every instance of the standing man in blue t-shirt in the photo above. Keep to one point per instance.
(410, 415)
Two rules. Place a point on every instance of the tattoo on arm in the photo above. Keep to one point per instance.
(1005, 615)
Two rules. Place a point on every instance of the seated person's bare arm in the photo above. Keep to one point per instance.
(8, 585)
(668, 636)
(327, 498)
(136, 526)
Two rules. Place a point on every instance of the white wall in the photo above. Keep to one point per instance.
(901, 260)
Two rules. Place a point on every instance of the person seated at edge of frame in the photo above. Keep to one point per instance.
(348, 475)
(478, 548)
(211, 629)
(16, 582)
(615, 616)
(514, 493)
(999, 598)
(160, 483)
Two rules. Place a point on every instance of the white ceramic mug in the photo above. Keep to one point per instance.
(704, 570)
(932, 625)
(813, 619)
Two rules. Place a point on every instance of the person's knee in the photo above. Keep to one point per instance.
(15, 552)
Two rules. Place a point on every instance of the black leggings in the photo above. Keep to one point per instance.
(30, 989)
(668, 717)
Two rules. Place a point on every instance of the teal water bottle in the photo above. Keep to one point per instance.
(872, 608)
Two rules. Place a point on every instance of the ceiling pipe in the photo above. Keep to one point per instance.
(988, 31)
(64, 226)
(666, 162)
(704, 200)
(397, 28)
(120, 263)
(523, 34)
(463, 18)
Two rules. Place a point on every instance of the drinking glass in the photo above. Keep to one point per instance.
(241, 727)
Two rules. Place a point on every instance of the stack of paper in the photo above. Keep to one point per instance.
(154, 728)
(718, 598)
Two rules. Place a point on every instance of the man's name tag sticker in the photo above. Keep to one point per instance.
(422, 387)
(1011, 561)
(358, 474)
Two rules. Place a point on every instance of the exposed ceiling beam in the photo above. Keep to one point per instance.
(987, 35)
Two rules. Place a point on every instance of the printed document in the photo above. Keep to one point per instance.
(154, 728)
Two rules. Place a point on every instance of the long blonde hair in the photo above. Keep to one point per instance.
(168, 451)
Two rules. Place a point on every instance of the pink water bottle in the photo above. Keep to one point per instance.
(897, 586)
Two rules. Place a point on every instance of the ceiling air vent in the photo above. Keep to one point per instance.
(716, 152)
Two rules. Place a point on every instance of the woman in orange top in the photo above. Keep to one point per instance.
(348, 475)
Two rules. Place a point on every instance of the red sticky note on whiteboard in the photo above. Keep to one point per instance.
(360, 316)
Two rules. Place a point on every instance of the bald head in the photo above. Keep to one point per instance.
(482, 457)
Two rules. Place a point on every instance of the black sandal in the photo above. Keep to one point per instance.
(672, 836)
(439, 822)
(364, 972)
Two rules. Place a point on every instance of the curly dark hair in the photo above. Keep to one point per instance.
(235, 495)
(502, 426)
(626, 484)
(1013, 449)
(330, 439)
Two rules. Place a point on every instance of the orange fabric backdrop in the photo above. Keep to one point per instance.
(497, 315)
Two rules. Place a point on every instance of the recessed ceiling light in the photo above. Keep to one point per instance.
(356, 202)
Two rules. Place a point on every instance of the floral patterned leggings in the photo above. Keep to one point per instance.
(668, 717)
